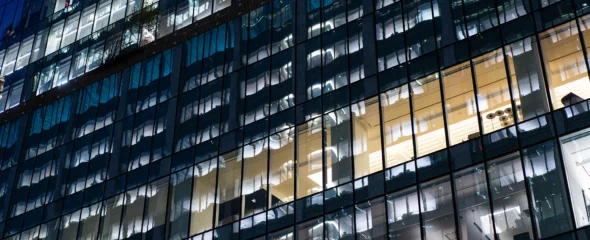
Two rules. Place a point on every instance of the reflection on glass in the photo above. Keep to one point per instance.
(154, 221)
(493, 95)
(551, 212)
(69, 226)
(567, 74)
(473, 206)
(389, 33)
(179, 208)
(286, 234)
(254, 185)
(111, 217)
(402, 217)
(203, 199)
(526, 77)
(312, 229)
(132, 212)
(397, 126)
(575, 150)
(337, 147)
(428, 115)
(339, 225)
(228, 187)
(309, 162)
(436, 206)
(370, 220)
(282, 160)
(460, 106)
(89, 222)
(366, 144)
(511, 207)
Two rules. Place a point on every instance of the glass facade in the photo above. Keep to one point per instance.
(311, 119)
(47, 43)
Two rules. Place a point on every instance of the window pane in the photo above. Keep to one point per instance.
(493, 95)
(511, 206)
(390, 39)
(428, 115)
(282, 25)
(564, 62)
(335, 60)
(69, 226)
(312, 229)
(179, 207)
(133, 212)
(228, 187)
(309, 162)
(526, 76)
(89, 222)
(254, 185)
(460, 106)
(202, 204)
(154, 222)
(282, 160)
(339, 225)
(403, 210)
(111, 217)
(575, 154)
(370, 220)
(438, 216)
(473, 206)
(543, 171)
(367, 137)
(337, 147)
(397, 126)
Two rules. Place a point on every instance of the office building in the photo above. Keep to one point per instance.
(285, 119)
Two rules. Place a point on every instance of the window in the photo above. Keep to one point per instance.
(282, 168)
(575, 149)
(509, 198)
(436, 207)
(340, 224)
(133, 212)
(228, 187)
(54, 39)
(493, 95)
(366, 143)
(154, 222)
(89, 220)
(371, 220)
(397, 126)
(254, 184)
(118, 10)
(428, 115)
(334, 60)
(473, 206)
(526, 77)
(203, 198)
(24, 53)
(282, 25)
(309, 158)
(551, 212)
(180, 205)
(312, 229)
(403, 211)
(460, 106)
(390, 39)
(111, 217)
(567, 73)
(103, 12)
(337, 147)
(70, 30)
(86, 21)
